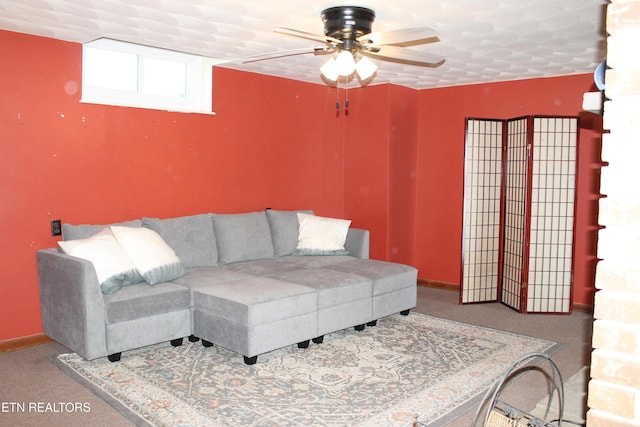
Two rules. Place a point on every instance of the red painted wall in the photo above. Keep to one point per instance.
(403, 163)
(441, 166)
(272, 143)
(380, 168)
(366, 157)
(392, 162)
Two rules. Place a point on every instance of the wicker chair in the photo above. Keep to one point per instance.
(499, 413)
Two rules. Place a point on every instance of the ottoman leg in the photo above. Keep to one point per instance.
(318, 340)
(115, 357)
(177, 342)
(193, 338)
(206, 343)
(359, 327)
(303, 344)
(250, 360)
(405, 312)
(372, 323)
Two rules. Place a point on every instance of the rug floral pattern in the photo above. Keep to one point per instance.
(381, 376)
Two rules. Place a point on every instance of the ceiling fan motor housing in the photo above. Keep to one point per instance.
(347, 23)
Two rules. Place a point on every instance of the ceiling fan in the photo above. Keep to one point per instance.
(348, 36)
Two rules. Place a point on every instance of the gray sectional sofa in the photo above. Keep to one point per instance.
(240, 281)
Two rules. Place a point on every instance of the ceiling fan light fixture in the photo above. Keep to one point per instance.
(365, 68)
(348, 36)
(345, 64)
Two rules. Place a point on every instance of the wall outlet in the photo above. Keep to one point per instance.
(56, 227)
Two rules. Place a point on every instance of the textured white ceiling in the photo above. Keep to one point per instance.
(481, 40)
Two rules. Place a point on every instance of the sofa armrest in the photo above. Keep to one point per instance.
(357, 243)
(71, 303)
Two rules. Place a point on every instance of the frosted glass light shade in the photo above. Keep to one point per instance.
(330, 70)
(345, 63)
(365, 68)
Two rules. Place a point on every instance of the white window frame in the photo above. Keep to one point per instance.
(198, 96)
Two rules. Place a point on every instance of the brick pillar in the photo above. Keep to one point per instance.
(614, 389)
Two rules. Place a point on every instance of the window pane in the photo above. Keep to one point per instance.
(163, 77)
(111, 70)
(126, 74)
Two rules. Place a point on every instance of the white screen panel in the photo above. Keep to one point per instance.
(552, 215)
(481, 217)
(516, 173)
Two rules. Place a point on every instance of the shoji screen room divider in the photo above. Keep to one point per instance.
(518, 214)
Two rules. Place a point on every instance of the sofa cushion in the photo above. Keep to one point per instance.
(261, 267)
(82, 231)
(242, 237)
(316, 261)
(142, 300)
(284, 230)
(321, 235)
(191, 237)
(386, 276)
(205, 276)
(112, 265)
(255, 300)
(153, 258)
(333, 287)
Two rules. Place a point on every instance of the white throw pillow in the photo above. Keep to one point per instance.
(152, 256)
(113, 267)
(317, 233)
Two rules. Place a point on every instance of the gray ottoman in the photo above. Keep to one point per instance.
(394, 285)
(255, 315)
(344, 299)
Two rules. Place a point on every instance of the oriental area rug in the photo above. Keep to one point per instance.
(387, 375)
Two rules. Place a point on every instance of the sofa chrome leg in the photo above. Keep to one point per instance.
(206, 343)
(115, 357)
(303, 344)
(372, 323)
(318, 340)
(177, 342)
(405, 312)
(250, 360)
(359, 327)
(193, 338)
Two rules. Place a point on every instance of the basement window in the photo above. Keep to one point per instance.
(131, 75)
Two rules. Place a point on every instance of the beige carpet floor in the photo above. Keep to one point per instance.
(29, 376)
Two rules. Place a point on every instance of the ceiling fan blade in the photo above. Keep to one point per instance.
(403, 54)
(306, 35)
(416, 35)
(283, 53)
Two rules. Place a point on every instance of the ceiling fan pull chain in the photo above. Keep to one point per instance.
(338, 93)
(346, 95)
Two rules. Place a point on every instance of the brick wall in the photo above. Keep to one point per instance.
(614, 389)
